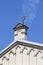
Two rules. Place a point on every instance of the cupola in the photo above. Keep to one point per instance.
(20, 32)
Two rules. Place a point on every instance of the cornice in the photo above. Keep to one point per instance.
(23, 43)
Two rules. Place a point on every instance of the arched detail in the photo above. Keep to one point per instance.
(37, 53)
(18, 46)
(5, 58)
(11, 52)
(30, 51)
(23, 49)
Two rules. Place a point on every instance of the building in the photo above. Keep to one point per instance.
(21, 51)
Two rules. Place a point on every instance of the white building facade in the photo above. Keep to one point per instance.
(21, 51)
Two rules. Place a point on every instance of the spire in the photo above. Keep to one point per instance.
(23, 19)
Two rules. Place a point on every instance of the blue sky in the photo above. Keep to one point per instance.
(11, 12)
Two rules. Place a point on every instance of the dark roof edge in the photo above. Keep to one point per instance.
(8, 49)
(24, 26)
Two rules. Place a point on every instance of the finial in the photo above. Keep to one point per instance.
(23, 18)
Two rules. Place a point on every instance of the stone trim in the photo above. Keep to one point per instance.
(23, 49)
(37, 53)
(30, 51)
(12, 53)
(18, 46)
(5, 58)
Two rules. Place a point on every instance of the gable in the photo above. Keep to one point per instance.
(23, 44)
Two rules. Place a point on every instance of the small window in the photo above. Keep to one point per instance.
(15, 34)
(24, 33)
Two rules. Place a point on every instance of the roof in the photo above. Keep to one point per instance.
(20, 26)
(24, 43)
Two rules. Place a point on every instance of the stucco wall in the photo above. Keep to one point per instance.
(20, 35)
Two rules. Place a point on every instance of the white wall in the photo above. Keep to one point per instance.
(19, 35)
(21, 55)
